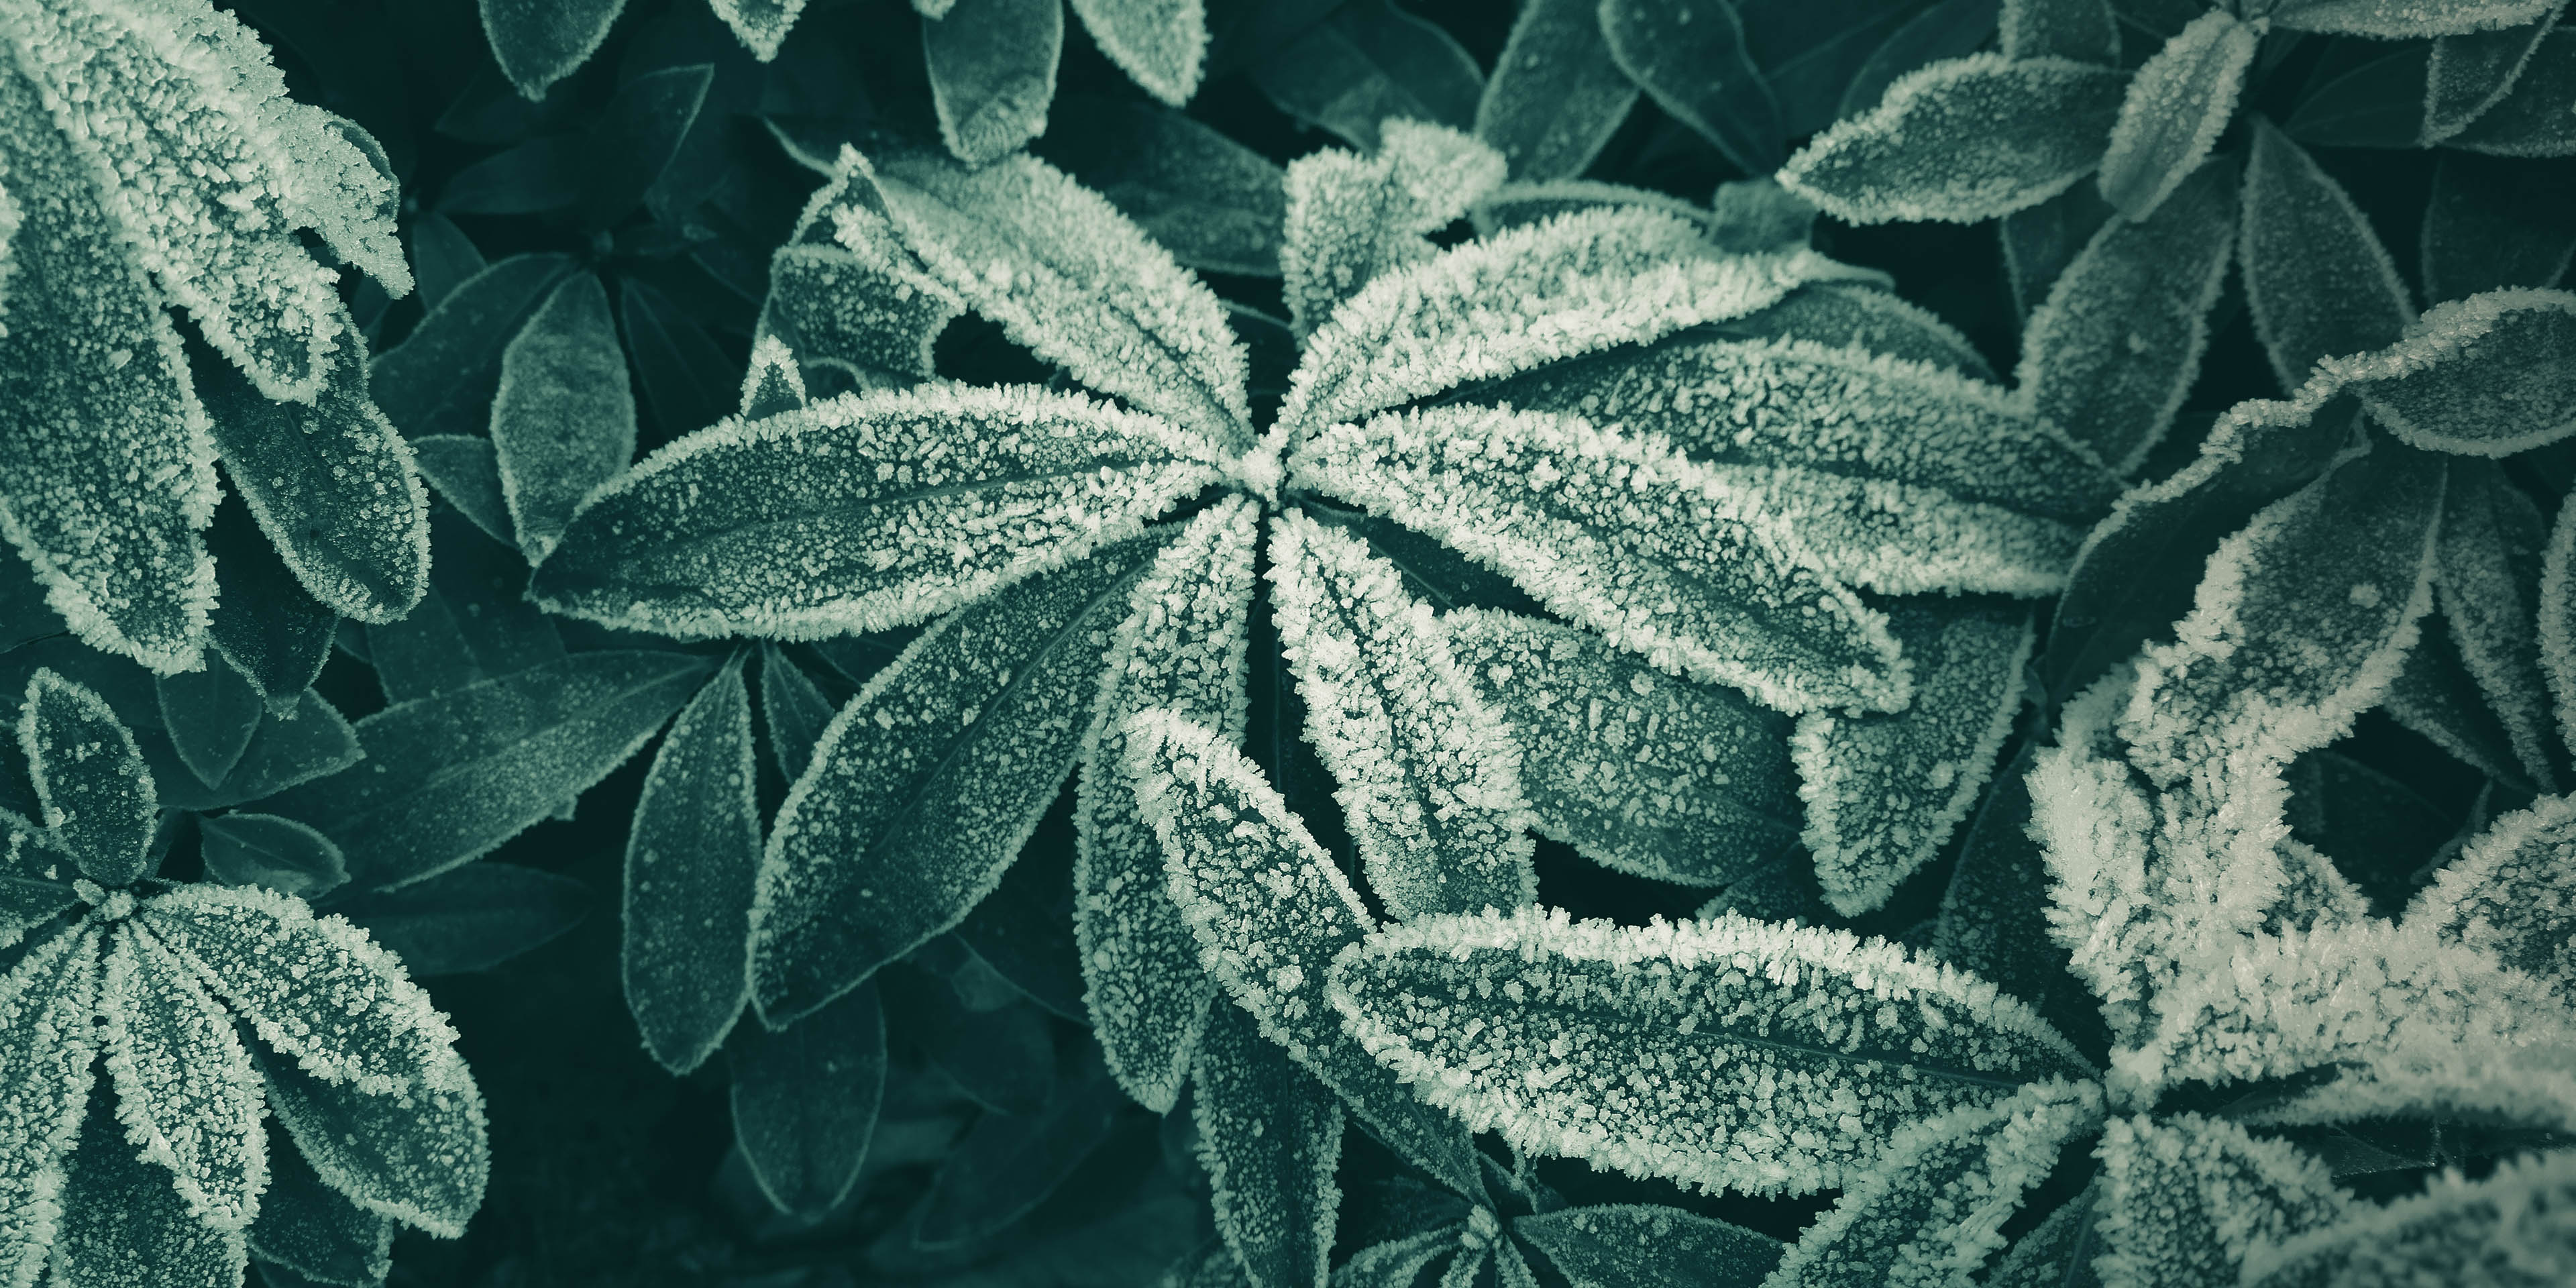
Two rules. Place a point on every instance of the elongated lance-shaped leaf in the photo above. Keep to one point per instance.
(926, 784)
(1270, 910)
(48, 1041)
(1270, 1138)
(1556, 95)
(1963, 140)
(107, 468)
(1680, 782)
(1994, 915)
(1576, 284)
(1728, 1053)
(2510, 892)
(2469, 73)
(1648, 1246)
(2404, 19)
(1181, 647)
(450, 777)
(463, 470)
(540, 43)
(2177, 104)
(122, 1226)
(1933, 1208)
(1696, 63)
(793, 709)
(2487, 559)
(2435, 696)
(2486, 376)
(244, 848)
(2508, 1225)
(2531, 119)
(992, 73)
(2084, 30)
(1352, 219)
(2114, 348)
(2317, 280)
(564, 420)
(864, 512)
(92, 788)
(805, 1100)
(209, 715)
(761, 25)
(691, 856)
(440, 379)
(1214, 203)
(1624, 535)
(2185, 1198)
(419, 1153)
(1429, 777)
(306, 1226)
(185, 1088)
(1160, 44)
(272, 630)
(1885, 791)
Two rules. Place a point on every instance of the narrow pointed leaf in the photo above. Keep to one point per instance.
(1994, 915)
(265, 623)
(2486, 580)
(772, 383)
(443, 257)
(539, 42)
(2316, 278)
(1648, 1246)
(2057, 1253)
(185, 1088)
(2185, 1198)
(686, 380)
(122, 1225)
(691, 855)
(91, 783)
(48, 1043)
(2493, 223)
(2177, 104)
(1371, 62)
(630, 146)
(1730, 1052)
(2490, 375)
(2404, 19)
(314, 1230)
(805, 1101)
(440, 379)
(418, 1153)
(469, 918)
(474, 624)
(2532, 119)
(466, 470)
(242, 848)
(2084, 30)
(2472, 72)
(1160, 44)
(793, 709)
(1694, 61)
(210, 715)
(1270, 1138)
(564, 420)
(1556, 94)
(1400, 1263)
(2510, 1224)
(992, 73)
(1963, 140)
(310, 741)
(2510, 892)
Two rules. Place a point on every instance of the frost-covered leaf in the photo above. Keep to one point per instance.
(2533, 119)
(2486, 565)
(1645, 1245)
(2510, 892)
(539, 42)
(1693, 59)
(2490, 375)
(210, 715)
(265, 623)
(2511, 1226)
(1885, 791)
(564, 420)
(1270, 911)
(1994, 914)
(417, 1153)
(1940, 30)
(440, 379)
(1659, 778)
(1515, 204)
(466, 470)
(2039, 242)
(1728, 1053)
(2492, 223)
(1748, 216)
(1556, 94)
(1182, 646)
(448, 778)
(1351, 219)
(773, 383)
(2558, 619)
(2471, 72)
(1270, 1138)
(1624, 535)
(1160, 44)
(307, 742)
(1007, 1164)
(2404, 19)
(927, 783)
(2178, 101)
(1371, 62)
(1400, 1263)
(805, 1101)
(185, 1088)
(793, 709)
(2316, 278)
(1933, 1208)
(468, 918)
(2115, 346)
(243, 848)
(867, 312)
(1214, 203)
(314, 1230)
(2185, 1198)
(628, 150)
(761, 25)
(1429, 777)
(1856, 315)
(92, 788)
(2085, 30)
(1963, 140)
(992, 73)
(122, 1226)
(475, 623)
(691, 855)
(48, 1040)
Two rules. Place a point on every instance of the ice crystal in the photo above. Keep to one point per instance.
(1351, 219)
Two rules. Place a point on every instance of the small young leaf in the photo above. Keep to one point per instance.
(1964, 140)
(2177, 104)
(564, 419)
(992, 73)
(2316, 278)
(2492, 223)
(2472, 72)
(2533, 119)
(1643, 1245)
(2084, 30)
(265, 850)
(185, 1088)
(1160, 44)
(2490, 375)
(793, 709)
(2404, 19)
(122, 1226)
(1006, 1165)
(761, 25)
(441, 378)
(468, 918)
(691, 855)
(210, 716)
(95, 793)
(2185, 1198)
(2509, 893)
(418, 1154)
(805, 1101)
(1214, 203)
(1368, 63)
(314, 1230)
(467, 473)
(48, 1049)
(1270, 1139)
(2510, 1222)
(539, 42)
(1693, 60)
(1556, 94)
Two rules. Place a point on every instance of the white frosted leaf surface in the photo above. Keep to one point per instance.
(2317, 280)
(1722, 1054)
(1863, 316)
(1963, 140)
(122, 1226)
(2512, 892)
(1884, 791)
(761, 25)
(93, 790)
(1160, 44)
(1269, 911)
(107, 467)
(1429, 778)
(48, 1039)
(2515, 1226)
(2404, 19)
(2111, 352)
(2490, 375)
(869, 311)
(2469, 73)
(185, 1088)
(1556, 95)
(926, 784)
(772, 383)
(692, 853)
(1182, 647)
(1351, 219)
(1933, 1208)
(1270, 1137)
(2177, 104)
(2185, 1198)
(539, 42)
(1397, 1261)
(1517, 203)
(564, 419)
(992, 73)
(1647, 1245)
(1575, 284)
(1622, 534)
(864, 512)
(2490, 546)
(418, 1153)
(315, 989)
(2085, 30)
(1640, 772)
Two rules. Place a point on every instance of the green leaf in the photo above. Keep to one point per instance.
(2316, 278)
(1648, 1245)
(469, 918)
(185, 1088)
(466, 470)
(1270, 1139)
(272, 631)
(1964, 140)
(1736, 1053)
(563, 421)
(1884, 792)
(538, 177)
(442, 257)
(1994, 914)
(2363, 94)
(691, 856)
(805, 1100)
(1006, 1165)
(440, 379)
(1371, 62)
(419, 1154)
(2509, 893)
(48, 1043)
(539, 42)
(2115, 347)
(1851, 315)
(761, 25)
(2493, 223)
(2473, 72)
(1270, 911)
(2509, 1222)
(1659, 778)
(314, 1230)
(265, 850)
(2185, 1198)
(449, 778)
(926, 784)
(772, 383)
(634, 138)
(1399, 1263)
(1623, 535)
(2490, 375)
(2532, 120)
(92, 788)
(793, 710)
(2178, 101)
(2486, 575)
(1943, 30)
(1160, 44)
(1214, 203)
(2404, 19)
(872, 313)
(474, 624)
(1351, 220)
(2084, 30)
(2377, 830)
(2041, 241)
(210, 716)
(1808, 51)
(687, 381)
(1557, 94)
(2557, 615)
(122, 1226)
(2436, 697)
(307, 742)
(992, 73)
(1691, 58)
